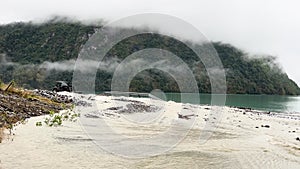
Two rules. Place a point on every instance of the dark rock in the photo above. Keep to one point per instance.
(244, 108)
(91, 116)
(187, 117)
(266, 126)
(115, 108)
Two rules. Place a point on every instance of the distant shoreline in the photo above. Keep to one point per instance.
(267, 103)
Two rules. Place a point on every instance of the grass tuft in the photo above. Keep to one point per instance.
(1, 134)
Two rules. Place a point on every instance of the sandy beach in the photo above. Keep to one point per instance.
(241, 138)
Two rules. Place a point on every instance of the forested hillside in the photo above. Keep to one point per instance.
(33, 56)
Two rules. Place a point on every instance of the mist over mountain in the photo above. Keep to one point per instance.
(36, 55)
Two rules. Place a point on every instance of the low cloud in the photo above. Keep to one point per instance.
(82, 65)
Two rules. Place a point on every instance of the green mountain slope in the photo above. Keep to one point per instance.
(26, 48)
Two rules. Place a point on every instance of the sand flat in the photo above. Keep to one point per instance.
(238, 141)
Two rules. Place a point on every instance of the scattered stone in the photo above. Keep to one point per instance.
(187, 117)
(78, 139)
(115, 108)
(91, 98)
(91, 116)
(111, 115)
(266, 126)
(244, 108)
(298, 139)
(54, 96)
(138, 108)
(16, 107)
(82, 103)
(125, 100)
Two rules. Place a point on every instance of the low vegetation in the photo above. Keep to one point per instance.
(56, 119)
(1, 134)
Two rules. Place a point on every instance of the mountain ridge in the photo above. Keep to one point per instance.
(24, 47)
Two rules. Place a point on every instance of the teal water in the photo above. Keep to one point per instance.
(272, 103)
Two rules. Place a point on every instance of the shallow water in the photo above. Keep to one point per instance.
(274, 103)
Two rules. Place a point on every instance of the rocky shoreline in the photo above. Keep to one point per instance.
(18, 105)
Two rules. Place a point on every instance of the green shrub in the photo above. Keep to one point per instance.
(56, 119)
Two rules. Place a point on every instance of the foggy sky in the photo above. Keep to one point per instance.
(256, 26)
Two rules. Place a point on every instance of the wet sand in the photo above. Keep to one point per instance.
(239, 141)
